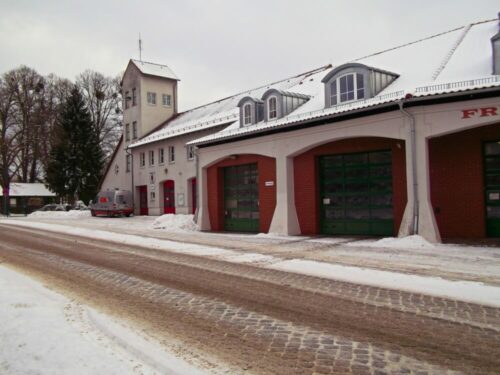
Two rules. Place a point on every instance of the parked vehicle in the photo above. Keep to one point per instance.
(79, 205)
(52, 207)
(112, 203)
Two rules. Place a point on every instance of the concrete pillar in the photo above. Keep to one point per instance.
(427, 226)
(285, 219)
(203, 218)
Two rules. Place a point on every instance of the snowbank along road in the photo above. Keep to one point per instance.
(263, 321)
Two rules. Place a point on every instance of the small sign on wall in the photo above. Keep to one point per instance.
(326, 200)
(180, 199)
(269, 183)
(494, 196)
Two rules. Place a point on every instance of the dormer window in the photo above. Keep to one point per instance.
(355, 81)
(251, 111)
(247, 114)
(271, 103)
(347, 88)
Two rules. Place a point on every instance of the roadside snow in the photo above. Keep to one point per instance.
(470, 291)
(175, 223)
(60, 214)
(410, 242)
(467, 291)
(43, 332)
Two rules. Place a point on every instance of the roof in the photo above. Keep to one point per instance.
(453, 61)
(153, 69)
(222, 112)
(18, 189)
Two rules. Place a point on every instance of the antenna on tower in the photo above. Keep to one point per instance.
(140, 48)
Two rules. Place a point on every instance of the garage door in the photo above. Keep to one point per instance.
(241, 198)
(356, 193)
(492, 187)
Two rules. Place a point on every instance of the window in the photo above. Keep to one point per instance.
(127, 132)
(128, 163)
(247, 114)
(166, 99)
(151, 157)
(190, 152)
(134, 130)
(152, 98)
(161, 156)
(347, 88)
(142, 159)
(152, 196)
(127, 98)
(171, 154)
(134, 96)
(272, 108)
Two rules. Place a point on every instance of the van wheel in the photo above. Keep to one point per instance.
(128, 215)
(92, 212)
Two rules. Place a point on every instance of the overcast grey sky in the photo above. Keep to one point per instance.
(218, 47)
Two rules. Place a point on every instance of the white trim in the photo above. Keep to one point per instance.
(269, 108)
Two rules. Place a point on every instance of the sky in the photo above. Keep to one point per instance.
(217, 47)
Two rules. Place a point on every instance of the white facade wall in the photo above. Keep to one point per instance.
(430, 121)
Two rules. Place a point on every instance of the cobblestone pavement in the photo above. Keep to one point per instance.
(266, 321)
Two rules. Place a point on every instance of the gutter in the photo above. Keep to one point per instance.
(129, 153)
(413, 146)
(197, 165)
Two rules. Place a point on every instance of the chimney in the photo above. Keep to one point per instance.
(495, 45)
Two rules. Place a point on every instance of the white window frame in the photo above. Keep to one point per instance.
(171, 154)
(247, 120)
(134, 130)
(142, 159)
(166, 100)
(134, 96)
(336, 83)
(127, 132)
(151, 98)
(269, 108)
(126, 100)
(128, 159)
(161, 156)
(151, 157)
(190, 152)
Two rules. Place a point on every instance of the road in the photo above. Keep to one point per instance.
(262, 321)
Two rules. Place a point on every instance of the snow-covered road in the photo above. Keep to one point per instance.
(43, 332)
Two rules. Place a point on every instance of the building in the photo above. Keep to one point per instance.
(398, 142)
(25, 198)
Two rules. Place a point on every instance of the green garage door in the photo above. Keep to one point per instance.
(241, 198)
(492, 187)
(356, 193)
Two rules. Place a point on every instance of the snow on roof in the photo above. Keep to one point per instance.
(452, 61)
(154, 69)
(18, 189)
(221, 112)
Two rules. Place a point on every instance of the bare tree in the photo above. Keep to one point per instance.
(103, 99)
(27, 88)
(9, 133)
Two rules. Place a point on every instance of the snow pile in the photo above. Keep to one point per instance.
(60, 214)
(410, 242)
(175, 223)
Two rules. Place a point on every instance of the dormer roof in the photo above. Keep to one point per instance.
(346, 66)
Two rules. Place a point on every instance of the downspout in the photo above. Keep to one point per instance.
(197, 161)
(413, 165)
(129, 153)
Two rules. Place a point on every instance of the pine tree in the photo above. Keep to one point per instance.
(76, 160)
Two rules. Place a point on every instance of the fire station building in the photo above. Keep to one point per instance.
(403, 141)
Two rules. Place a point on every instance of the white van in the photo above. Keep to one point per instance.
(112, 203)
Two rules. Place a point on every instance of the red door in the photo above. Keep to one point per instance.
(193, 194)
(169, 196)
(143, 200)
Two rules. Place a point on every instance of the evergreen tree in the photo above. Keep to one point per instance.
(76, 160)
